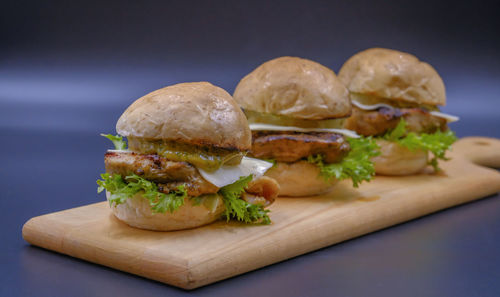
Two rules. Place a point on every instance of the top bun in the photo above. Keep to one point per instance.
(393, 75)
(294, 87)
(196, 113)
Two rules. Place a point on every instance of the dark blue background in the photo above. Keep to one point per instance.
(68, 69)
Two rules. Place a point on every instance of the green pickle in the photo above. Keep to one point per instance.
(206, 158)
(211, 201)
(255, 117)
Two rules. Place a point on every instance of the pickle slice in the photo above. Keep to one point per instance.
(255, 117)
(206, 158)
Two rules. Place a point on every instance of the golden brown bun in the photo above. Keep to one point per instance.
(197, 113)
(394, 75)
(299, 179)
(294, 87)
(395, 159)
(136, 212)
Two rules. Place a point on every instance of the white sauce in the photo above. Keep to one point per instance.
(268, 127)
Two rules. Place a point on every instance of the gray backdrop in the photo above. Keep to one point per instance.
(76, 65)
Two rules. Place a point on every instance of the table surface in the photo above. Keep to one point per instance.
(450, 253)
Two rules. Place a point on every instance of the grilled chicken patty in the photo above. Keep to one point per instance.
(293, 146)
(379, 121)
(169, 175)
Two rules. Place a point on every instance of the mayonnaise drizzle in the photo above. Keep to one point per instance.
(268, 127)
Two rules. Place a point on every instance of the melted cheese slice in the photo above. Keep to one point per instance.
(119, 151)
(227, 175)
(448, 117)
(268, 127)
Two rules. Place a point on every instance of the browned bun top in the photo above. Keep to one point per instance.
(294, 87)
(394, 75)
(197, 113)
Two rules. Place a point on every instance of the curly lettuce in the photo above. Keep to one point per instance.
(437, 143)
(356, 165)
(117, 140)
(121, 189)
(239, 209)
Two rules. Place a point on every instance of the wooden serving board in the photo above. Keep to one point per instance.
(193, 258)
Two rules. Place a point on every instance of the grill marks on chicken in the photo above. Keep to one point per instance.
(378, 122)
(151, 167)
(169, 175)
(293, 146)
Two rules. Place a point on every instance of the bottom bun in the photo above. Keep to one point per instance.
(395, 159)
(299, 179)
(137, 212)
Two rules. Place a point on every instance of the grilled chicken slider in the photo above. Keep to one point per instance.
(395, 98)
(186, 164)
(296, 108)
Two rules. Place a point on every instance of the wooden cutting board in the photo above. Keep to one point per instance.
(193, 258)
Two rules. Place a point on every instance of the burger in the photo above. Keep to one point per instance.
(395, 99)
(185, 165)
(296, 110)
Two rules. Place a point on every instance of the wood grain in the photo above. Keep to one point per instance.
(193, 258)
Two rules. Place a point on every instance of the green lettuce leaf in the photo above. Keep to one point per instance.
(117, 140)
(356, 165)
(121, 189)
(239, 209)
(437, 143)
(396, 133)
